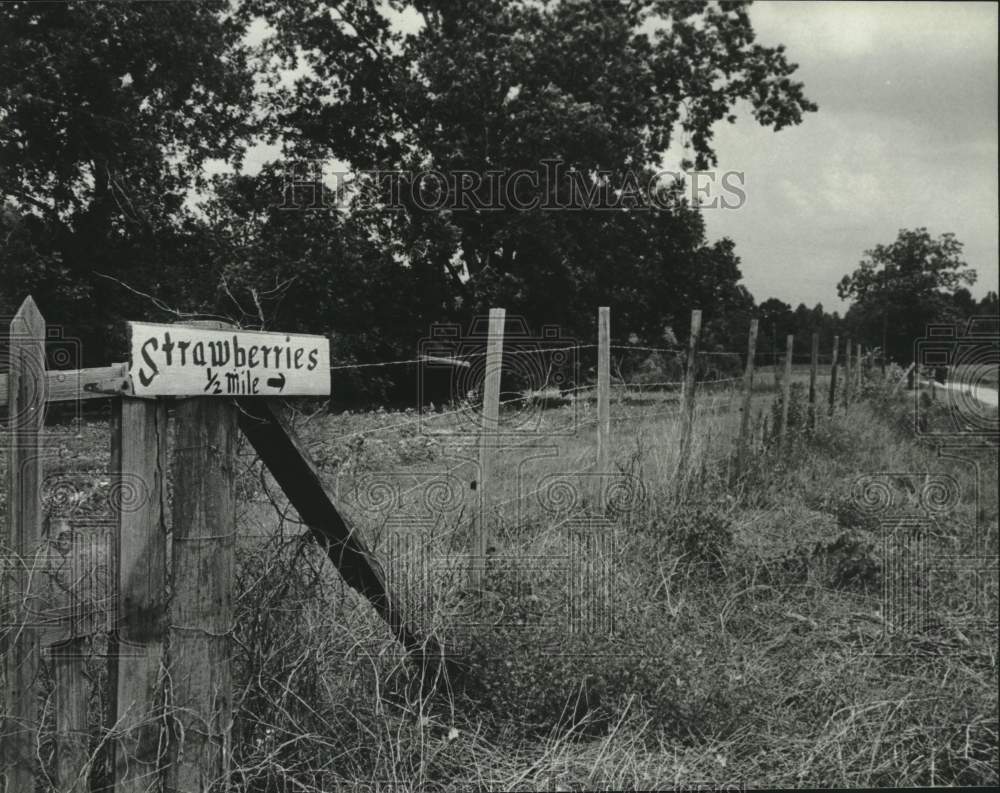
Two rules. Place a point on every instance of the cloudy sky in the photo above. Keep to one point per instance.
(905, 136)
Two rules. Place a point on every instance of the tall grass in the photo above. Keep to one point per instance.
(736, 635)
(682, 625)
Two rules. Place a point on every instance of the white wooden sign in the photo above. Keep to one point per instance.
(176, 360)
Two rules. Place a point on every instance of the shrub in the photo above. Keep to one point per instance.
(851, 562)
(700, 533)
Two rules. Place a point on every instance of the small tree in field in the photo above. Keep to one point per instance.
(899, 288)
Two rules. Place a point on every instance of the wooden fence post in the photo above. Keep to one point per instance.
(786, 388)
(848, 372)
(859, 361)
(745, 423)
(139, 462)
(813, 371)
(26, 395)
(687, 418)
(489, 437)
(204, 527)
(70, 702)
(833, 375)
(776, 363)
(603, 401)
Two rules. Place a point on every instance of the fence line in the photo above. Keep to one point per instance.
(460, 356)
(187, 639)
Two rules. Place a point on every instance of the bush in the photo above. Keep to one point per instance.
(851, 561)
(701, 534)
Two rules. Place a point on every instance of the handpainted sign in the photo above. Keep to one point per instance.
(176, 360)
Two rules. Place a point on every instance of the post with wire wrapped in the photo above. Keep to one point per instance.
(833, 375)
(489, 439)
(786, 388)
(813, 371)
(690, 380)
(745, 426)
(603, 401)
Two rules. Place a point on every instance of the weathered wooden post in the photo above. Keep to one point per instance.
(833, 375)
(203, 469)
(813, 371)
(859, 365)
(687, 418)
(489, 438)
(185, 689)
(603, 402)
(745, 423)
(776, 364)
(786, 388)
(139, 461)
(204, 518)
(848, 372)
(26, 396)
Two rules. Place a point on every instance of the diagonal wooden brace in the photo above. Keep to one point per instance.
(289, 463)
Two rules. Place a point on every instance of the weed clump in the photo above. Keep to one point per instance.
(701, 534)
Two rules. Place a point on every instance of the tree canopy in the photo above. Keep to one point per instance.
(901, 287)
(111, 113)
(584, 97)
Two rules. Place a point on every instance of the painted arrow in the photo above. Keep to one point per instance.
(277, 382)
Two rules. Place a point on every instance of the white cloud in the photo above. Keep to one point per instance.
(877, 157)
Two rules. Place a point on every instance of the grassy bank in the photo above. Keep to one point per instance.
(750, 642)
(689, 623)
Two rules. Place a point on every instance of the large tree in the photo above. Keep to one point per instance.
(776, 320)
(601, 88)
(108, 112)
(899, 288)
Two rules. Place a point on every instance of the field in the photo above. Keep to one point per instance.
(690, 623)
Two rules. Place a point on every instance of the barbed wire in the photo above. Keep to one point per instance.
(461, 356)
(674, 382)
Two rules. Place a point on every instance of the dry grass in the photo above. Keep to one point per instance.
(750, 642)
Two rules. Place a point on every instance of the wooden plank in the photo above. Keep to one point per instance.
(203, 469)
(489, 439)
(859, 358)
(139, 458)
(847, 373)
(603, 402)
(813, 372)
(297, 476)
(786, 387)
(71, 606)
(21, 654)
(833, 375)
(195, 360)
(776, 363)
(745, 423)
(79, 384)
(71, 705)
(687, 414)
